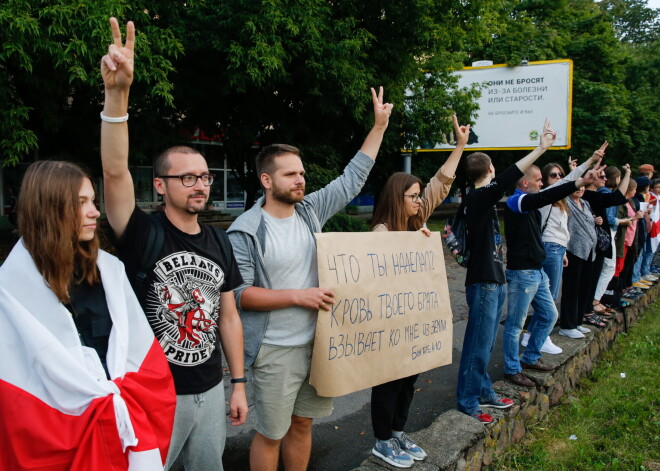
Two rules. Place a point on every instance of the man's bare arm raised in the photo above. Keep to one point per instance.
(117, 72)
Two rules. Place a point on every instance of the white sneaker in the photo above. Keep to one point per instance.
(583, 329)
(547, 347)
(572, 333)
(551, 348)
(650, 278)
(525, 339)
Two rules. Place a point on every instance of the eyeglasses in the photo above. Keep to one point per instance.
(556, 175)
(191, 180)
(414, 196)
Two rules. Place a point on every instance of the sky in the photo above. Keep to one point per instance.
(654, 3)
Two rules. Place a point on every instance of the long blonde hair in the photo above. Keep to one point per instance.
(49, 221)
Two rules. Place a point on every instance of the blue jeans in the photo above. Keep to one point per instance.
(486, 303)
(527, 287)
(637, 268)
(553, 266)
(648, 256)
(643, 264)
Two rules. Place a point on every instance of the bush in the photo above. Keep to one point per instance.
(341, 222)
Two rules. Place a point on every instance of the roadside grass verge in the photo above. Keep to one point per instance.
(612, 421)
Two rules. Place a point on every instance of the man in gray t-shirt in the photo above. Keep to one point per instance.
(275, 249)
(290, 255)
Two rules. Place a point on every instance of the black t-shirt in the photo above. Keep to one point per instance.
(641, 233)
(483, 229)
(181, 297)
(92, 318)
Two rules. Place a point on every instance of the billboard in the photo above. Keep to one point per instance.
(514, 103)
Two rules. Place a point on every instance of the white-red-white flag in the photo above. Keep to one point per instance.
(655, 221)
(58, 410)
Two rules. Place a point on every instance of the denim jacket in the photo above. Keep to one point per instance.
(248, 233)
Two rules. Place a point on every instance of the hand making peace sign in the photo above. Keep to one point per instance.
(548, 136)
(382, 111)
(117, 64)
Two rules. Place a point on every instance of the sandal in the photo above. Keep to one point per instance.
(595, 320)
(600, 308)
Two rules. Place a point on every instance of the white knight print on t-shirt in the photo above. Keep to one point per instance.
(183, 306)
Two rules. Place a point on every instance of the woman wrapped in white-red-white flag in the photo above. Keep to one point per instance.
(83, 383)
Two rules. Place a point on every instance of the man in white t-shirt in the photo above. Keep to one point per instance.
(275, 249)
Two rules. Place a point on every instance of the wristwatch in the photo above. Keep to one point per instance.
(239, 380)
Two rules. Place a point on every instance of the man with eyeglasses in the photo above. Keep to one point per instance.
(186, 290)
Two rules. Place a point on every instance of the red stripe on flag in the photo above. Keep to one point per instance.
(151, 400)
(38, 437)
(655, 229)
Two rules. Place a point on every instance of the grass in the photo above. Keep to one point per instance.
(615, 419)
(436, 224)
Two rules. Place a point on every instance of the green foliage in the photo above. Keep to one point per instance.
(342, 222)
(434, 96)
(50, 91)
(634, 21)
(299, 71)
(615, 91)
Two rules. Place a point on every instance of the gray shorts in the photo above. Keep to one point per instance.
(282, 389)
(200, 430)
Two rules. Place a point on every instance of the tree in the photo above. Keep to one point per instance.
(255, 72)
(637, 27)
(50, 91)
(634, 21)
(582, 31)
(300, 72)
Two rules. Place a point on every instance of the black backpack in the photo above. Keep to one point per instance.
(455, 237)
(155, 245)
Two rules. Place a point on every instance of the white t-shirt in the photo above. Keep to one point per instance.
(290, 259)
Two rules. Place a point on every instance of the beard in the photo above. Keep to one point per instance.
(287, 196)
(194, 207)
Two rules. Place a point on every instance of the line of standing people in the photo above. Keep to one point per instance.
(145, 369)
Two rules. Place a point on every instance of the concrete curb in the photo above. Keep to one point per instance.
(456, 442)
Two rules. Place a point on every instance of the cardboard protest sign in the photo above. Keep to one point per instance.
(391, 316)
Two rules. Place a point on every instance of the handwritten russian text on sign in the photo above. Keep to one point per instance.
(391, 316)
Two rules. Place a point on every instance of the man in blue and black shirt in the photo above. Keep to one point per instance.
(527, 283)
